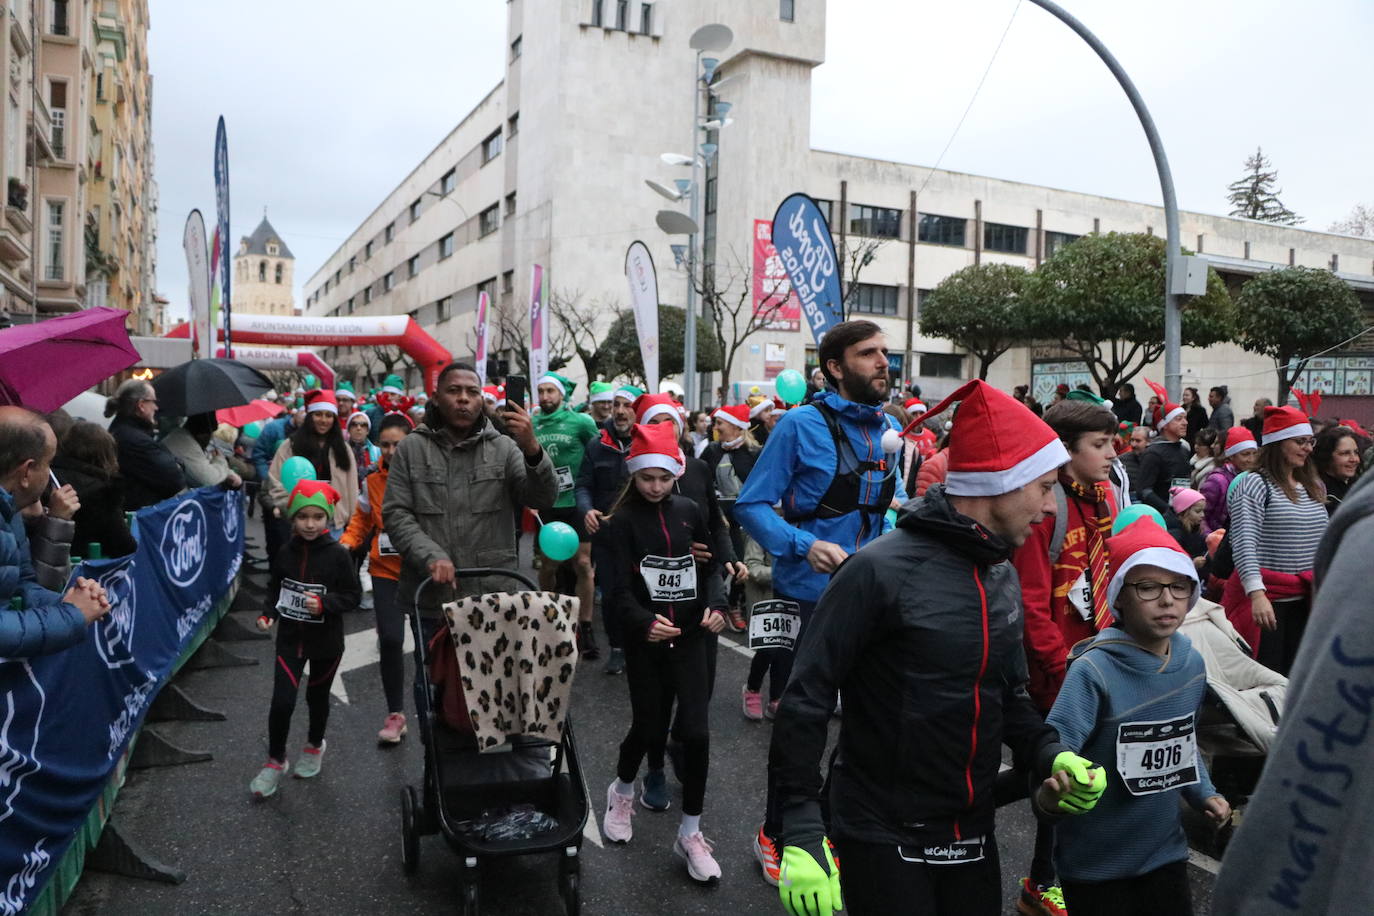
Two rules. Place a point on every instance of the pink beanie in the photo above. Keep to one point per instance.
(1184, 498)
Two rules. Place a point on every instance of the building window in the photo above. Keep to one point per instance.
(921, 295)
(348, 306)
(513, 125)
(941, 230)
(262, 274)
(488, 221)
(508, 282)
(510, 205)
(1000, 237)
(446, 246)
(596, 12)
(352, 263)
(60, 17)
(942, 365)
(1057, 240)
(367, 252)
(622, 14)
(278, 275)
(491, 147)
(876, 222)
(57, 106)
(443, 309)
(646, 18)
(388, 233)
(337, 275)
(412, 267)
(449, 181)
(515, 48)
(367, 295)
(415, 209)
(826, 207)
(388, 281)
(872, 299)
(488, 287)
(57, 235)
(787, 11)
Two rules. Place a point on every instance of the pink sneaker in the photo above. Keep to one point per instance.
(753, 703)
(620, 809)
(701, 865)
(393, 730)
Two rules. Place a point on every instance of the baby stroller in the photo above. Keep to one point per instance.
(538, 781)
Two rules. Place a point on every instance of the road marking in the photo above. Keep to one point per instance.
(591, 832)
(1203, 861)
(360, 650)
(742, 650)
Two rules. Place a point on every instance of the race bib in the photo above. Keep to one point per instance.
(565, 479)
(961, 852)
(1081, 596)
(1154, 757)
(670, 578)
(774, 625)
(291, 602)
(384, 548)
(1181, 482)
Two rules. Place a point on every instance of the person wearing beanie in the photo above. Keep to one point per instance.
(1278, 517)
(600, 478)
(1165, 463)
(1186, 524)
(933, 607)
(668, 625)
(365, 454)
(346, 397)
(1131, 699)
(1239, 453)
(600, 398)
(320, 441)
(564, 435)
(388, 398)
(314, 583)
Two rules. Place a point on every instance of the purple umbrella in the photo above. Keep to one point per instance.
(45, 364)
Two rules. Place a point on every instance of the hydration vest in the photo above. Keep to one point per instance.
(842, 497)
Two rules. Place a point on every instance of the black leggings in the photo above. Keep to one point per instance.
(777, 663)
(877, 879)
(1164, 890)
(286, 685)
(391, 624)
(1279, 647)
(1014, 785)
(656, 675)
(603, 563)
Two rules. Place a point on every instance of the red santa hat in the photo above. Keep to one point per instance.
(999, 445)
(914, 404)
(1239, 439)
(1284, 423)
(321, 400)
(648, 406)
(493, 394)
(734, 414)
(655, 446)
(1145, 543)
(1167, 410)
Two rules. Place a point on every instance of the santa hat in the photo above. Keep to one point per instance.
(321, 400)
(1144, 543)
(1354, 426)
(601, 391)
(392, 384)
(761, 408)
(1167, 410)
(316, 493)
(1184, 498)
(648, 406)
(345, 390)
(655, 446)
(1284, 423)
(1239, 439)
(734, 414)
(359, 415)
(1000, 447)
(914, 404)
(493, 394)
(562, 383)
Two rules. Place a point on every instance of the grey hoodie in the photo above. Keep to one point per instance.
(1306, 845)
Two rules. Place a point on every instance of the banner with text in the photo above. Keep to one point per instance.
(775, 305)
(68, 716)
(539, 341)
(198, 286)
(802, 239)
(479, 355)
(639, 270)
(221, 256)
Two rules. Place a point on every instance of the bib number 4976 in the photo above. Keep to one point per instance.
(1153, 757)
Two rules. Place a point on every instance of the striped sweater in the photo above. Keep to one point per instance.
(1270, 531)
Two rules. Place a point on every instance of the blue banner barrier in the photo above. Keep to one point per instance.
(66, 719)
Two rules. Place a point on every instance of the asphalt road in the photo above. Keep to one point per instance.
(332, 845)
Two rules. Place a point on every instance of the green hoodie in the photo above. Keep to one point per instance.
(564, 435)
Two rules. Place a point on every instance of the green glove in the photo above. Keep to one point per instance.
(807, 886)
(1089, 782)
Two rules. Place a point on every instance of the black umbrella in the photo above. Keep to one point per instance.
(204, 385)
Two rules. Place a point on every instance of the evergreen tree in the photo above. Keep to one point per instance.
(1254, 196)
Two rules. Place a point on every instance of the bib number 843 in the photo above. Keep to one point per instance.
(670, 580)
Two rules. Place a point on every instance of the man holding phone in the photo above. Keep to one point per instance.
(454, 487)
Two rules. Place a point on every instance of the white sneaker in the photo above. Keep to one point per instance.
(620, 809)
(696, 850)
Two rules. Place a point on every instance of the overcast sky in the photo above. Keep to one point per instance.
(330, 103)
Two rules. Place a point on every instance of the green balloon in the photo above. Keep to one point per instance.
(558, 541)
(311, 382)
(253, 430)
(1136, 511)
(294, 470)
(791, 386)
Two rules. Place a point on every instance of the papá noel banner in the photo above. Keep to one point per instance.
(68, 716)
(807, 252)
(775, 306)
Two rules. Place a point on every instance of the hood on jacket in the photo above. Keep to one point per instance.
(868, 414)
(1128, 653)
(933, 516)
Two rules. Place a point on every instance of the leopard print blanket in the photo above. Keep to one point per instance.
(517, 653)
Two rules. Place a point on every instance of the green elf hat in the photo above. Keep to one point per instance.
(345, 390)
(565, 384)
(601, 391)
(316, 493)
(630, 393)
(1078, 394)
(392, 384)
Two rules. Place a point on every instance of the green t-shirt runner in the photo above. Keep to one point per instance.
(563, 433)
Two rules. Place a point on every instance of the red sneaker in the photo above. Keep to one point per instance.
(767, 854)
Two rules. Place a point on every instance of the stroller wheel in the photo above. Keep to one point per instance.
(470, 899)
(410, 830)
(572, 893)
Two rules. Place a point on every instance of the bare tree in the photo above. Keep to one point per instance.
(578, 321)
(734, 317)
(1360, 222)
(852, 261)
(513, 331)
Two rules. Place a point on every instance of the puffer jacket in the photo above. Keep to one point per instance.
(921, 630)
(456, 500)
(46, 624)
(151, 473)
(366, 525)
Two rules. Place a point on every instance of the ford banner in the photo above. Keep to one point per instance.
(802, 239)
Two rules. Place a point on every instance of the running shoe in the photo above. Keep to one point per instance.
(696, 850)
(654, 794)
(767, 854)
(752, 701)
(393, 730)
(771, 710)
(620, 809)
(1038, 900)
(586, 642)
(264, 785)
(311, 758)
(615, 661)
(734, 617)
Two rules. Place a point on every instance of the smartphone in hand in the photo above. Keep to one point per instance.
(516, 386)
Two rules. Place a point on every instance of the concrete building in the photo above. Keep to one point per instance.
(80, 218)
(549, 169)
(263, 269)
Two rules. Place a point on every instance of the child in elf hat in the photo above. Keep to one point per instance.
(315, 583)
(1131, 697)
